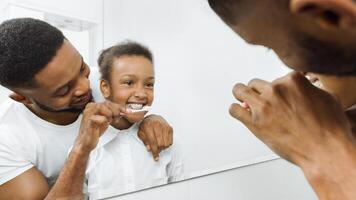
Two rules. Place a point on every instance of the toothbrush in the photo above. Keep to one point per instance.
(144, 109)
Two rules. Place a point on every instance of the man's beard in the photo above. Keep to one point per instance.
(70, 110)
(327, 58)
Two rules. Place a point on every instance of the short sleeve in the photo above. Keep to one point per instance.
(13, 161)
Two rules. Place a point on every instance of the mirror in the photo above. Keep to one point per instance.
(197, 60)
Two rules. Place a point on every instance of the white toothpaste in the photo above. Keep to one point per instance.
(144, 109)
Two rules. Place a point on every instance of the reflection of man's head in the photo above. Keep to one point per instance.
(42, 67)
(308, 35)
(127, 77)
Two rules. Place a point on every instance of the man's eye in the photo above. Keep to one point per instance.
(63, 91)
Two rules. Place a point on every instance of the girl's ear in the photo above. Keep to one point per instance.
(105, 88)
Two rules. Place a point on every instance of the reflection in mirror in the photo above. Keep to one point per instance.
(197, 60)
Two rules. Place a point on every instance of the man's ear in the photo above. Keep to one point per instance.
(105, 88)
(329, 14)
(20, 98)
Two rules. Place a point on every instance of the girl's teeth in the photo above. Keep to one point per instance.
(135, 106)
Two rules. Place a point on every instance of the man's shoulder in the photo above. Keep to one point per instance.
(11, 115)
(17, 144)
(8, 107)
(12, 126)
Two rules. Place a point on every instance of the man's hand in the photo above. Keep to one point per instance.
(156, 134)
(96, 119)
(304, 125)
(298, 121)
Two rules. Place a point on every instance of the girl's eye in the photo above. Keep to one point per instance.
(128, 82)
(150, 85)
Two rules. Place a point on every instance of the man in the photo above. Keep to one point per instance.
(299, 122)
(50, 85)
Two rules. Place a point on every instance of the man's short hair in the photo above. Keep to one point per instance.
(26, 46)
(127, 48)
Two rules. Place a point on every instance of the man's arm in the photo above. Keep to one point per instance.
(96, 119)
(32, 185)
(29, 185)
(335, 180)
(304, 125)
(156, 134)
(69, 185)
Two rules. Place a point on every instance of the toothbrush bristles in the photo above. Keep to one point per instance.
(144, 109)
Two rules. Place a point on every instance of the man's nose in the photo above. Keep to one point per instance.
(82, 86)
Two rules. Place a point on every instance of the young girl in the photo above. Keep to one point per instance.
(121, 162)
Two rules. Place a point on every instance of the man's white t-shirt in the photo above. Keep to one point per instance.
(28, 141)
(121, 163)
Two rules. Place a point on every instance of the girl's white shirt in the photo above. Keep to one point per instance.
(121, 163)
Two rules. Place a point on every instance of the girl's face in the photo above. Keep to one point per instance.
(131, 84)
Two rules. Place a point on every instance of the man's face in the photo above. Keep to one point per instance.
(304, 42)
(63, 85)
